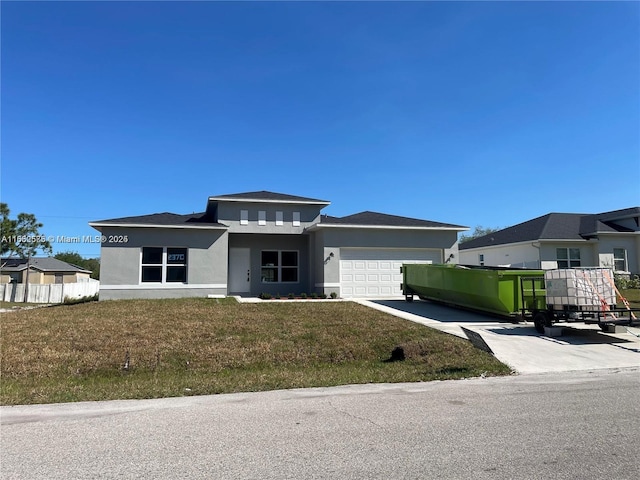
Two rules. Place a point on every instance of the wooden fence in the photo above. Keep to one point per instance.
(50, 293)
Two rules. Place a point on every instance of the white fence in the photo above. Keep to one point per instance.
(50, 293)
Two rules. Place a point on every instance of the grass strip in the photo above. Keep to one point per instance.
(164, 348)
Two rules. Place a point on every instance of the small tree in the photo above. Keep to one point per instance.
(7, 230)
(23, 240)
(74, 258)
(479, 231)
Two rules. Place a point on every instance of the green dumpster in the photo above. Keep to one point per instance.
(497, 290)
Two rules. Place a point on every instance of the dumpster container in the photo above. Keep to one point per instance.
(501, 291)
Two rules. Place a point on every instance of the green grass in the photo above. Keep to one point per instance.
(183, 347)
(633, 297)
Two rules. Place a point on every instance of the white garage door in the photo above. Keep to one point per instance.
(369, 272)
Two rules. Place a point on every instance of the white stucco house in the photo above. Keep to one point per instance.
(562, 240)
(265, 242)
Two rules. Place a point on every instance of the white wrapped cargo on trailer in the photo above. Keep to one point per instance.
(588, 288)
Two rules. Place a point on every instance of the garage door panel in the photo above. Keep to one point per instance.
(376, 272)
(387, 291)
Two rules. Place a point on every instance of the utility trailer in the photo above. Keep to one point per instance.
(545, 297)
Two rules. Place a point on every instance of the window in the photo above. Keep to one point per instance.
(279, 266)
(481, 259)
(244, 217)
(164, 265)
(296, 219)
(58, 278)
(262, 217)
(620, 260)
(568, 257)
(279, 218)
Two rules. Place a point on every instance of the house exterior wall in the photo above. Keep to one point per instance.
(593, 253)
(44, 278)
(7, 278)
(121, 263)
(330, 241)
(631, 243)
(523, 255)
(258, 243)
(229, 214)
(588, 253)
(50, 277)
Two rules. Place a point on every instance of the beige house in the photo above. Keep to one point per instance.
(42, 271)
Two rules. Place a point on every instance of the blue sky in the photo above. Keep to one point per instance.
(473, 113)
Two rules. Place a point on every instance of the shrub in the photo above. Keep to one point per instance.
(291, 296)
(314, 295)
(303, 295)
(265, 296)
(624, 282)
(334, 295)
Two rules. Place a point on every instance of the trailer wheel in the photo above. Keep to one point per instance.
(408, 298)
(541, 320)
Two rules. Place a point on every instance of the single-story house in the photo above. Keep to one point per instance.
(562, 240)
(264, 242)
(43, 271)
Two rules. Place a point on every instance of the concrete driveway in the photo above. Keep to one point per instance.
(581, 347)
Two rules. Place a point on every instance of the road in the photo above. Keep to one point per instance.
(578, 425)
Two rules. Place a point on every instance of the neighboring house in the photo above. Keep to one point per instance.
(250, 243)
(562, 240)
(47, 270)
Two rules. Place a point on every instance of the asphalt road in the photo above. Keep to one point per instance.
(579, 425)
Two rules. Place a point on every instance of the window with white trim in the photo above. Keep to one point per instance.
(296, 219)
(279, 266)
(279, 218)
(568, 257)
(262, 217)
(481, 259)
(244, 217)
(164, 265)
(620, 260)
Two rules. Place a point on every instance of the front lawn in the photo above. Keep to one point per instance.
(164, 348)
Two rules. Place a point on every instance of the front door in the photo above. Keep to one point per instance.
(239, 270)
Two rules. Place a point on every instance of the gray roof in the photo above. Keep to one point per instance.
(375, 219)
(166, 219)
(265, 196)
(44, 264)
(556, 226)
(603, 222)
